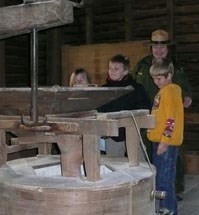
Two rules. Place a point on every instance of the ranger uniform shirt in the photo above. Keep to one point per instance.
(141, 75)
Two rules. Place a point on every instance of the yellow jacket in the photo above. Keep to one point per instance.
(169, 114)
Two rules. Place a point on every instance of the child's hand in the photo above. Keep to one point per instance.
(187, 101)
(162, 148)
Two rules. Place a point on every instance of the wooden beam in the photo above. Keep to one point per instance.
(89, 21)
(54, 43)
(85, 126)
(171, 18)
(33, 1)
(132, 142)
(71, 154)
(3, 147)
(19, 19)
(147, 121)
(17, 148)
(128, 13)
(91, 156)
(2, 64)
(2, 58)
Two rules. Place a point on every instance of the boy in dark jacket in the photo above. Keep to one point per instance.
(119, 76)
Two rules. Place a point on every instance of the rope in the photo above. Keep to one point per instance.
(142, 144)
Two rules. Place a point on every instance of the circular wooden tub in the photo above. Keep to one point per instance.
(35, 186)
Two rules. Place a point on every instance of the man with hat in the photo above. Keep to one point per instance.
(161, 47)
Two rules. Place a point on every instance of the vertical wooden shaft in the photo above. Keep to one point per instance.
(132, 142)
(54, 43)
(171, 18)
(128, 11)
(91, 155)
(71, 154)
(2, 58)
(89, 21)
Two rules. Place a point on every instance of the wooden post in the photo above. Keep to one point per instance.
(91, 155)
(2, 64)
(132, 142)
(171, 18)
(71, 154)
(89, 21)
(45, 148)
(128, 19)
(3, 147)
(171, 24)
(54, 42)
(2, 58)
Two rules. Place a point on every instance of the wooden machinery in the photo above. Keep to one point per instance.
(78, 181)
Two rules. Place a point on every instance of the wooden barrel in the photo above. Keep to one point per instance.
(25, 188)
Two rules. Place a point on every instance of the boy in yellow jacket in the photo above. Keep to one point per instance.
(168, 133)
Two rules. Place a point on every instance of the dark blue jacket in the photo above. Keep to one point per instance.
(136, 99)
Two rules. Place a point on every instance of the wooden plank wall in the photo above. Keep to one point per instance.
(16, 58)
(2, 58)
(109, 24)
(187, 36)
(94, 58)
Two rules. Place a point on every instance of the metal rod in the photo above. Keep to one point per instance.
(34, 117)
(34, 75)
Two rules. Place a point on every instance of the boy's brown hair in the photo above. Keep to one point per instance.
(121, 59)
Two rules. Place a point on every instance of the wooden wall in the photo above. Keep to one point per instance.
(117, 21)
(122, 20)
(94, 58)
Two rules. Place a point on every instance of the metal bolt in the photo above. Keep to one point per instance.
(157, 194)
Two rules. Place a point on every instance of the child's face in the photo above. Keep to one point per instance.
(161, 80)
(81, 79)
(116, 71)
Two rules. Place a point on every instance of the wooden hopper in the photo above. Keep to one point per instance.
(57, 100)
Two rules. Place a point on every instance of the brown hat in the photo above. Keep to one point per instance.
(160, 37)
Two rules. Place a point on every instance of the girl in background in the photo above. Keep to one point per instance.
(79, 77)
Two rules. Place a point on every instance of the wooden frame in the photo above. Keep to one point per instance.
(81, 144)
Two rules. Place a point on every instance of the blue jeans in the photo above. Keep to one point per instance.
(165, 176)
